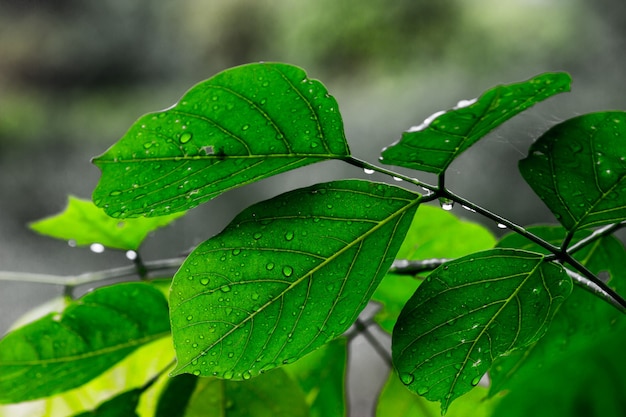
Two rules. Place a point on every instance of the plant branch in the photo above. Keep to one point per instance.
(407, 267)
(597, 234)
(363, 329)
(596, 290)
(367, 166)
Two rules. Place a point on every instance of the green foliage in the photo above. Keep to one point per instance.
(256, 313)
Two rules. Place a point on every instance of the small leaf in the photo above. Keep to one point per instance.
(242, 125)
(434, 233)
(581, 318)
(286, 276)
(322, 377)
(434, 144)
(122, 405)
(82, 223)
(272, 394)
(470, 311)
(62, 351)
(176, 396)
(578, 168)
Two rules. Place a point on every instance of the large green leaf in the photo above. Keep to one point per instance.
(286, 276)
(122, 405)
(62, 351)
(82, 223)
(396, 401)
(242, 125)
(322, 377)
(470, 311)
(433, 145)
(273, 394)
(578, 168)
(581, 318)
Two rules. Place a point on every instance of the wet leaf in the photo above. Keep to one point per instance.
(434, 233)
(433, 145)
(242, 125)
(63, 351)
(270, 395)
(122, 405)
(286, 276)
(578, 168)
(322, 377)
(582, 317)
(470, 311)
(82, 224)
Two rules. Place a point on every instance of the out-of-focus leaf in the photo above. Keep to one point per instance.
(82, 223)
(470, 311)
(242, 125)
(62, 351)
(176, 396)
(578, 168)
(322, 375)
(272, 394)
(395, 400)
(433, 145)
(582, 317)
(122, 405)
(285, 277)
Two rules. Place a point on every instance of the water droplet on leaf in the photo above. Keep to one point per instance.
(185, 137)
(407, 378)
(287, 271)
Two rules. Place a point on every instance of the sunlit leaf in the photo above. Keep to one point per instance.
(578, 168)
(242, 125)
(588, 381)
(322, 375)
(270, 395)
(122, 405)
(433, 145)
(286, 276)
(62, 351)
(470, 311)
(582, 317)
(82, 223)
(396, 401)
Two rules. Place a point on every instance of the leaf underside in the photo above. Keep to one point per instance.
(286, 276)
(578, 168)
(433, 145)
(242, 125)
(62, 351)
(470, 311)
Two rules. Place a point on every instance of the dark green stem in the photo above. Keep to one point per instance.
(598, 234)
(366, 165)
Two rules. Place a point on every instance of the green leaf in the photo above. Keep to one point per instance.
(286, 276)
(434, 233)
(176, 396)
(62, 351)
(242, 125)
(272, 394)
(578, 168)
(433, 145)
(396, 401)
(122, 405)
(470, 311)
(322, 376)
(588, 381)
(82, 223)
(581, 318)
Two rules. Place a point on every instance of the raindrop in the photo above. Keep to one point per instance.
(131, 255)
(196, 372)
(469, 209)
(71, 243)
(287, 271)
(368, 171)
(185, 137)
(422, 390)
(397, 179)
(114, 193)
(97, 247)
(236, 252)
(407, 378)
(446, 203)
(475, 381)
(229, 375)
(289, 235)
(255, 296)
(204, 281)
(245, 127)
(269, 266)
(225, 288)
(501, 226)
(257, 235)
(189, 317)
(464, 103)
(247, 375)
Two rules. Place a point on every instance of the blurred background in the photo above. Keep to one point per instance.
(75, 74)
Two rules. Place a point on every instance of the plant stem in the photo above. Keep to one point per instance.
(407, 267)
(363, 329)
(366, 165)
(594, 289)
(597, 234)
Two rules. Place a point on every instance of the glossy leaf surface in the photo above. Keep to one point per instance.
(322, 377)
(272, 394)
(582, 317)
(242, 125)
(434, 233)
(286, 276)
(82, 223)
(470, 311)
(62, 351)
(433, 145)
(578, 168)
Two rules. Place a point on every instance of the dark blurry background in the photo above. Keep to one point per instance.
(75, 74)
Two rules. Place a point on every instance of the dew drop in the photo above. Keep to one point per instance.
(189, 317)
(236, 252)
(289, 236)
(475, 381)
(225, 288)
(196, 372)
(501, 226)
(185, 137)
(269, 266)
(204, 281)
(96, 247)
(114, 193)
(255, 296)
(287, 271)
(245, 127)
(406, 378)
(368, 171)
(446, 203)
(229, 375)
(247, 375)
(257, 235)
(422, 390)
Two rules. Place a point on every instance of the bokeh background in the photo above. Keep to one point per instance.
(75, 74)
